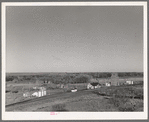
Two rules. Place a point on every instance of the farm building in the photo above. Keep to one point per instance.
(122, 82)
(62, 86)
(36, 91)
(108, 84)
(40, 91)
(113, 80)
(125, 82)
(129, 82)
(93, 85)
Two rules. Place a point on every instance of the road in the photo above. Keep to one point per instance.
(45, 99)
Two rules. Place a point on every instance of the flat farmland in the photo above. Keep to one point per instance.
(85, 100)
(64, 101)
(60, 98)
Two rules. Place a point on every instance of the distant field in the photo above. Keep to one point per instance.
(74, 78)
(94, 74)
(34, 73)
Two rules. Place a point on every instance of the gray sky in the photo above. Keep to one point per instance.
(74, 39)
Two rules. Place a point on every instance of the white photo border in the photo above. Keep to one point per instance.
(74, 115)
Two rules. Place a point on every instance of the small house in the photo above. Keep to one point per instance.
(93, 85)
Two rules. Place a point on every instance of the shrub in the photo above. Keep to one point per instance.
(138, 82)
(117, 101)
(14, 91)
(8, 91)
(81, 79)
(9, 78)
(122, 98)
(130, 74)
(138, 93)
(132, 105)
(128, 106)
(59, 107)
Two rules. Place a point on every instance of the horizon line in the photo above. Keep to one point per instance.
(74, 72)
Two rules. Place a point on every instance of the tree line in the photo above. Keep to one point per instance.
(69, 77)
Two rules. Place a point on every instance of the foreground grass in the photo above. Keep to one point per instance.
(85, 103)
(59, 107)
(91, 103)
(121, 98)
(118, 101)
(125, 98)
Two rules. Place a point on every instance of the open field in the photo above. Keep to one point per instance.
(15, 91)
(85, 100)
(126, 97)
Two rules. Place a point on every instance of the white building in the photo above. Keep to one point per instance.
(93, 85)
(129, 82)
(36, 92)
(39, 93)
(107, 84)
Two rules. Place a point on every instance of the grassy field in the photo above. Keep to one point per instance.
(125, 98)
(114, 98)
(91, 102)
(102, 100)
(14, 92)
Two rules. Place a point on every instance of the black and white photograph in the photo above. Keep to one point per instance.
(74, 60)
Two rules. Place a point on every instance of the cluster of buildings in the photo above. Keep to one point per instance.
(95, 85)
(36, 92)
(41, 91)
(129, 82)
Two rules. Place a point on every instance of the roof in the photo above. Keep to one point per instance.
(94, 84)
